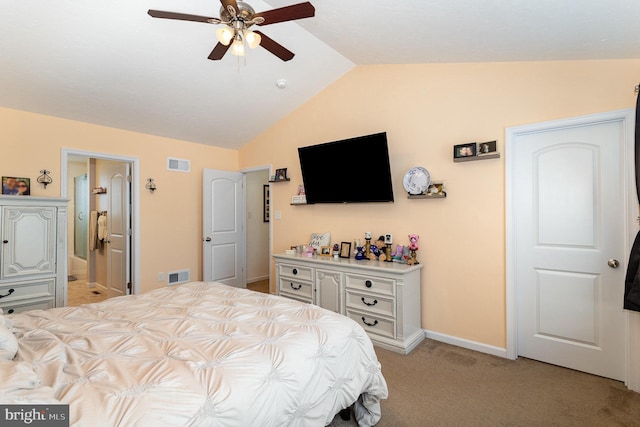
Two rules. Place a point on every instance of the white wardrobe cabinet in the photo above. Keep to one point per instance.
(33, 256)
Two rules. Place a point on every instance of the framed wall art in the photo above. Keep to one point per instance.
(464, 150)
(486, 148)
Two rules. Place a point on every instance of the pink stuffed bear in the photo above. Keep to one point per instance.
(413, 242)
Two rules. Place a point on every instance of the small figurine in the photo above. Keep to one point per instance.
(360, 252)
(397, 256)
(413, 247)
(413, 242)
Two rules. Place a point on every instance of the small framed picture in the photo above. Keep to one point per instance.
(345, 250)
(437, 188)
(281, 174)
(16, 186)
(464, 150)
(490, 147)
(325, 251)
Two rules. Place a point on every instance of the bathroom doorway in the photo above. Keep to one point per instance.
(89, 182)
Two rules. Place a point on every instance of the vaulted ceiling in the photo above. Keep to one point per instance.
(110, 63)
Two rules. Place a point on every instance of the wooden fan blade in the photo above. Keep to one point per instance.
(182, 16)
(287, 13)
(226, 3)
(274, 47)
(218, 52)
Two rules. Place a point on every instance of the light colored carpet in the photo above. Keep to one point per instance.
(442, 385)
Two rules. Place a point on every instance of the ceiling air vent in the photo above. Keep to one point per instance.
(179, 165)
(175, 277)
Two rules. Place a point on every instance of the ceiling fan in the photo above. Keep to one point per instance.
(237, 17)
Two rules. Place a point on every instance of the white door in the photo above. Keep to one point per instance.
(118, 228)
(223, 227)
(568, 214)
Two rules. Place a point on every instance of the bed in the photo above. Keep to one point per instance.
(197, 354)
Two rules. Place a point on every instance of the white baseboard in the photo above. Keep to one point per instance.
(471, 345)
(257, 279)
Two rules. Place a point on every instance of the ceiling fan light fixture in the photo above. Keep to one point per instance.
(253, 39)
(225, 35)
(237, 48)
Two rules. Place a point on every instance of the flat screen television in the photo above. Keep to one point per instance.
(354, 170)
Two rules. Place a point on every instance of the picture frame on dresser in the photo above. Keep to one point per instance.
(16, 186)
(325, 251)
(345, 250)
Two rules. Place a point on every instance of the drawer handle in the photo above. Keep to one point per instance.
(10, 292)
(10, 311)
(375, 301)
(294, 288)
(375, 322)
(295, 271)
(368, 283)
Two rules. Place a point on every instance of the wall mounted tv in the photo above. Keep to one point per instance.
(354, 170)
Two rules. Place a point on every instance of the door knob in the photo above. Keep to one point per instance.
(613, 263)
(208, 239)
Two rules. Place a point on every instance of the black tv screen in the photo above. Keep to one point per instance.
(354, 170)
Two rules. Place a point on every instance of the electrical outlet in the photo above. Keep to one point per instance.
(160, 277)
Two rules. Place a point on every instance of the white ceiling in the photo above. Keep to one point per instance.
(109, 63)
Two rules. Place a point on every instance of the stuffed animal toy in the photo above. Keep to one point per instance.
(377, 250)
(413, 242)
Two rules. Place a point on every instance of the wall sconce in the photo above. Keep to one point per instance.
(151, 186)
(45, 179)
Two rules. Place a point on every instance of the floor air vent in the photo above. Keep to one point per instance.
(176, 277)
(179, 165)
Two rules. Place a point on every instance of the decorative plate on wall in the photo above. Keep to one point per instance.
(416, 180)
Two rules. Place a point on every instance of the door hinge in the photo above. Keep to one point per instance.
(129, 288)
(128, 178)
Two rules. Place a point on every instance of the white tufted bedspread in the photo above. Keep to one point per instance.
(201, 354)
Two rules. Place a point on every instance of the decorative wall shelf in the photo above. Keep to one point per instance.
(482, 157)
(279, 180)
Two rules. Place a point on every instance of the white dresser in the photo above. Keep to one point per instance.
(382, 297)
(33, 258)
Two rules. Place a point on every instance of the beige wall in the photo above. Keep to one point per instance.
(426, 109)
(171, 218)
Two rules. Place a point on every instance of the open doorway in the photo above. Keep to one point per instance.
(102, 225)
(258, 245)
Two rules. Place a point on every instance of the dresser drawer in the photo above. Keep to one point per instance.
(300, 273)
(370, 283)
(373, 304)
(33, 288)
(13, 307)
(296, 287)
(374, 324)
